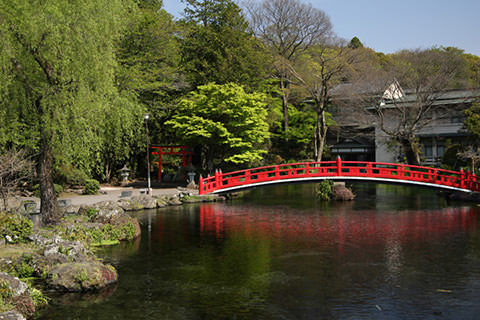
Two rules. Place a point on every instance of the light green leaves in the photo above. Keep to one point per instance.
(224, 119)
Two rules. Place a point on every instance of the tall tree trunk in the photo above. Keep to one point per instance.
(321, 133)
(108, 171)
(48, 199)
(283, 87)
(411, 150)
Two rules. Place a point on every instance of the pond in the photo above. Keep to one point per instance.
(278, 253)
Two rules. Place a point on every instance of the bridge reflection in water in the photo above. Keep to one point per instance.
(360, 229)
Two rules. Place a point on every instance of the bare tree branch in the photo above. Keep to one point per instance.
(15, 168)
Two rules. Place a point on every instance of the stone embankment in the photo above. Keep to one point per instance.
(61, 256)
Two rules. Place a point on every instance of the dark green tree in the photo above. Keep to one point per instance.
(149, 55)
(149, 58)
(472, 120)
(355, 43)
(217, 47)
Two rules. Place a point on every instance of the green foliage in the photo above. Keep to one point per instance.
(227, 122)
(15, 227)
(472, 120)
(5, 294)
(68, 174)
(128, 231)
(217, 46)
(77, 76)
(81, 276)
(91, 212)
(24, 268)
(473, 69)
(91, 186)
(428, 71)
(450, 158)
(355, 43)
(149, 55)
(39, 299)
(62, 88)
(325, 190)
(5, 290)
(108, 234)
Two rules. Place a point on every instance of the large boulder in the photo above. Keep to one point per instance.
(139, 203)
(84, 276)
(147, 202)
(101, 212)
(16, 286)
(55, 251)
(129, 205)
(341, 192)
(72, 250)
(174, 201)
(111, 213)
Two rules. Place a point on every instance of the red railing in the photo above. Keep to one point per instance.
(348, 169)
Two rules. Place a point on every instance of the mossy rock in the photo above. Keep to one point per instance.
(130, 205)
(78, 277)
(161, 203)
(15, 295)
(192, 199)
(174, 201)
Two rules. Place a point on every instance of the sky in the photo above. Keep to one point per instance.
(389, 26)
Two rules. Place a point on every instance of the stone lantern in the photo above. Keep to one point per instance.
(124, 173)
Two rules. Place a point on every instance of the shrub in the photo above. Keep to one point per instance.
(110, 232)
(36, 190)
(5, 294)
(15, 228)
(24, 268)
(81, 276)
(325, 190)
(91, 212)
(69, 175)
(91, 186)
(128, 231)
(450, 159)
(39, 299)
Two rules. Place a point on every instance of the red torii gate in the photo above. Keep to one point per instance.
(175, 150)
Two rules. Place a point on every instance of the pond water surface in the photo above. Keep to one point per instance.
(277, 253)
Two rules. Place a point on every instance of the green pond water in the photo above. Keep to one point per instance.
(277, 253)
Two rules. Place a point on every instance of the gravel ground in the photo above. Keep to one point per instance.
(105, 194)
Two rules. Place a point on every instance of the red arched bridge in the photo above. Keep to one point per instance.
(342, 171)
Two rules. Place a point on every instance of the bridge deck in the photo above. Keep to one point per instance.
(340, 170)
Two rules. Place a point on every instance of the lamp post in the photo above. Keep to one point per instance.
(146, 116)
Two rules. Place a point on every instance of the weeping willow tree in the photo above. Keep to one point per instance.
(57, 73)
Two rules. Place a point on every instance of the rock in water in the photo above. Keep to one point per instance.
(341, 192)
(77, 277)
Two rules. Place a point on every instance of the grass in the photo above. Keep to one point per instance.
(15, 250)
(105, 243)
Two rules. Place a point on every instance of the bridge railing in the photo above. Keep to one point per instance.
(338, 168)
